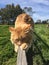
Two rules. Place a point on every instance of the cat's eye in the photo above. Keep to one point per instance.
(17, 40)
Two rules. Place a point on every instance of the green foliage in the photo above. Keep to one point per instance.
(40, 46)
(9, 13)
(6, 48)
(42, 43)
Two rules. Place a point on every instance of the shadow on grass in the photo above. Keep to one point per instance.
(40, 54)
(40, 39)
(30, 54)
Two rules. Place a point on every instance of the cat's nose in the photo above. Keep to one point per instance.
(19, 43)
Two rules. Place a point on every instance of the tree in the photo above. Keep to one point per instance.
(44, 21)
(29, 10)
(38, 22)
(10, 12)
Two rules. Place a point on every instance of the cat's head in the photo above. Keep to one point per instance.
(19, 36)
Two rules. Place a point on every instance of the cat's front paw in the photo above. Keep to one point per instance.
(24, 46)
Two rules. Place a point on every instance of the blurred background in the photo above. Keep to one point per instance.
(39, 11)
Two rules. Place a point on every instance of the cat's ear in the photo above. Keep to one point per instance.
(11, 29)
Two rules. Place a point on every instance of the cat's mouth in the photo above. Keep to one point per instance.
(18, 43)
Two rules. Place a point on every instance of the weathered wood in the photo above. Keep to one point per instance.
(21, 57)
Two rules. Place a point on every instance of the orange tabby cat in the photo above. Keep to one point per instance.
(22, 33)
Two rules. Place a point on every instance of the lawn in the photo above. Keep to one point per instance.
(40, 46)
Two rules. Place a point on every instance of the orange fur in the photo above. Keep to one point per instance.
(21, 34)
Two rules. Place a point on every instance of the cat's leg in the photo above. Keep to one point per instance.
(15, 47)
(24, 46)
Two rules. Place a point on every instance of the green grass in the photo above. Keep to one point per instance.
(43, 32)
(41, 46)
